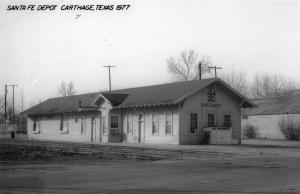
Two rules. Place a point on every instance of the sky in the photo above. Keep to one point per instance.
(39, 49)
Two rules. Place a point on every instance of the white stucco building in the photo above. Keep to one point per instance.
(269, 111)
(175, 113)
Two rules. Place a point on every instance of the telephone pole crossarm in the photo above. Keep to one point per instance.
(215, 68)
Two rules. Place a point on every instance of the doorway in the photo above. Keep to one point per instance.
(141, 128)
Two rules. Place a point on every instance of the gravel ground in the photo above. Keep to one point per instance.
(214, 169)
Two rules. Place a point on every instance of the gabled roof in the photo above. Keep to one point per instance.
(160, 94)
(288, 103)
(62, 104)
(164, 94)
(114, 99)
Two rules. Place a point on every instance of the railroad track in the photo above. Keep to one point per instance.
(92, 149)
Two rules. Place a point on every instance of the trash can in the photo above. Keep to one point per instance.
(13, 134)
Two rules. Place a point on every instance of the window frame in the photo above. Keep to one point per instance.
(214, 120)
(157, 131)
(211, 96)
(226, 124)
(114, 130)
(193, 124)
(116, 123)
(171, 123)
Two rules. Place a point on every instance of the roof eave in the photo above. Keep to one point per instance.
(245, 99)
(65, 112)
(144, 105)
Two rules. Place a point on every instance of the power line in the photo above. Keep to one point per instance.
(109, 66)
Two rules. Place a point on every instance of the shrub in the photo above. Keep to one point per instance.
(250, 131)
(290, 127)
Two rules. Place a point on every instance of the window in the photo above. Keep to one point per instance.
(64, 125)
(83, 126)
(169, 123)
(211, 96)
(227, 120)
(155, 124)
(36, 125)
(114, 124)
(193, 122)
(210, 120)
(129, 124)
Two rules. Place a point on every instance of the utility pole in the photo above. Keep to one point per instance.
(215, 67)
(109, 66)
(200, 73)
(5, 102)
(13, 86)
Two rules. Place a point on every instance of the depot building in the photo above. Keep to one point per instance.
(190, 112)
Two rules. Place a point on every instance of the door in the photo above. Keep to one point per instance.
(93, 129)
(141, 128)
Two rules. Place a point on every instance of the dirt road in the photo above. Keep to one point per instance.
(262, 170)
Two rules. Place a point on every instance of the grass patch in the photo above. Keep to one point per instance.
(250, 131)
(290, 127)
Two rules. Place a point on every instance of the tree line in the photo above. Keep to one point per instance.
(186, 67)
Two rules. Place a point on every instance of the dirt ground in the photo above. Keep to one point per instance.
(214, 169)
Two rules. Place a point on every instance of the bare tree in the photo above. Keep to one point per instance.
(264, 85)
(254, 88)
(283, 85)
(185, 67)
(2, 104)
(237, 80)
(66, 89)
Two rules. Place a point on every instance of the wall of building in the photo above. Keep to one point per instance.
(50, 128)
(266, 125)
(228, 104)
(146, 135)
(105, 108)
